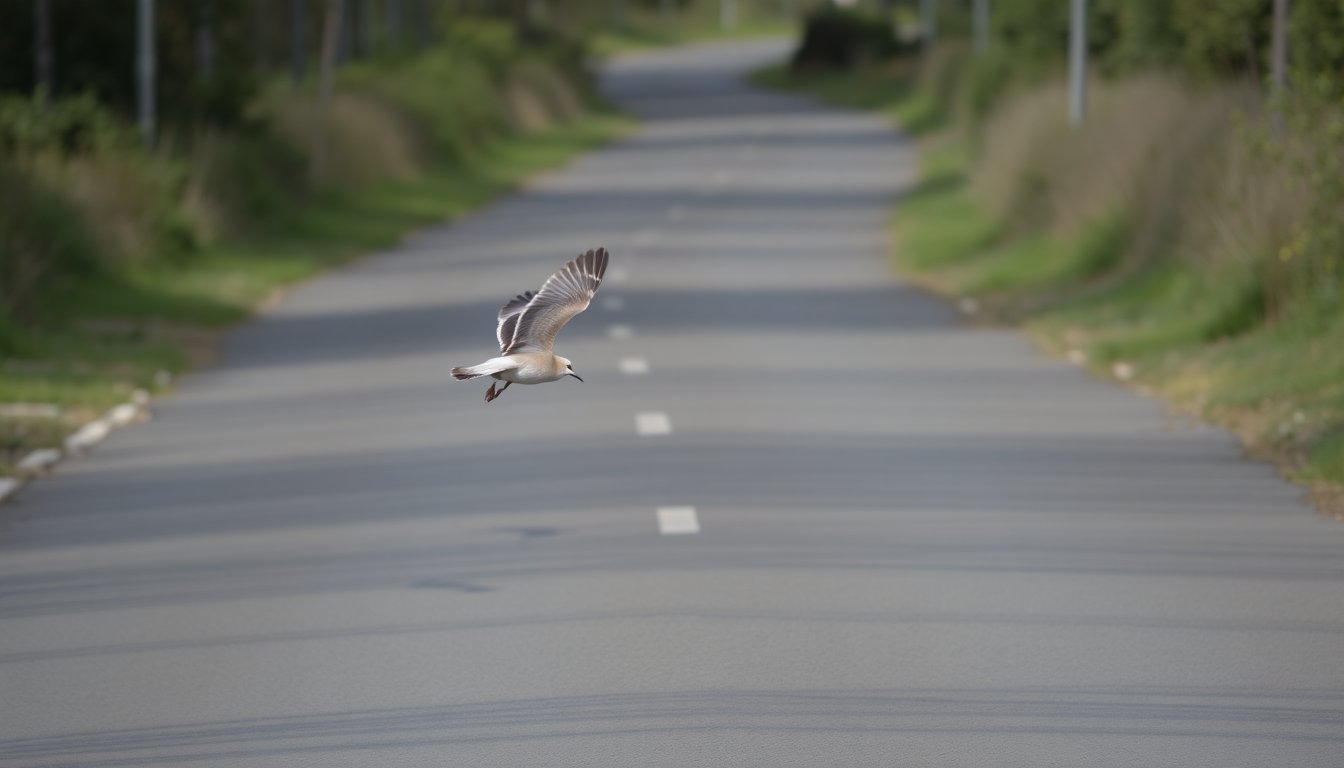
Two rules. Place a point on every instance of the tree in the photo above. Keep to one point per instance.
(45, 64)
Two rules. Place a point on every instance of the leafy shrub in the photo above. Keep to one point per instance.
(42, 238)
(66, 127)
(1309, 264)
(1317, 47)
(489, 41)
(1224, 37)
(75, 151)
(452, 94)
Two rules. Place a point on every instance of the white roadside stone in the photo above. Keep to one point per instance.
(122, 415)
(8, 485)
(87, 436)
(39, 461)
(30, 410)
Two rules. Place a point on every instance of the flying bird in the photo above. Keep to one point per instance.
(529, 322)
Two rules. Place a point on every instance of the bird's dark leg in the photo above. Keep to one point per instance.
(491, 394)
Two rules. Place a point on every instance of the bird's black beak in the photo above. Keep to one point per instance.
(575, 375)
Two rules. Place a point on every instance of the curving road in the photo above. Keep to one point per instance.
(799, 515)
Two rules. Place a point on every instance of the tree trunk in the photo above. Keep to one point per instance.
(260, 37)
(393, 32)
(205, 41)
(1278, 66)
(45, 62)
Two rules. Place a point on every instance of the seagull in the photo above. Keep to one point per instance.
(529, 322)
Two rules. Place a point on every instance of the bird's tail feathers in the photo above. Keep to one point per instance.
(494, 365)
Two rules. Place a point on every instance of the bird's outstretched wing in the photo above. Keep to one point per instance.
(563, 296)
(508, 318)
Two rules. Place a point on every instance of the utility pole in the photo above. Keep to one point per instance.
(929, 20)
(44, 60)
(331, 34)
(144, 69)
(1278, 66)
(727, 15)
(1078, 63)
(981, 22)
(345, 35)
(298, 41)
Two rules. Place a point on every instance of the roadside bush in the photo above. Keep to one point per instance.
(75, 151)
(66, 127)
(1309, 261)
(450, 94)
(80, 194)
(244, 178)
(42, 239)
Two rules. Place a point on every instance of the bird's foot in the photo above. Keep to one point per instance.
(492, 393)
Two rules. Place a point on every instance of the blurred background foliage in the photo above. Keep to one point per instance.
(117, 258)
(1190, 231)
(421, 84)
(1188, 235)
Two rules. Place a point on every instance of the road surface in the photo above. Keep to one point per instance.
(916, 543)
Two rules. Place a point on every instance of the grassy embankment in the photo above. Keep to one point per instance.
(1167, 243)
(645, 27)
(119, 264)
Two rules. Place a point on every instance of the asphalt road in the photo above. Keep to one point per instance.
(920, 543)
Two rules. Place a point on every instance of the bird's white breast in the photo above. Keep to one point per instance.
(533, 368)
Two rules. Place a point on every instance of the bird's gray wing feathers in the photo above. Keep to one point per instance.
(508, 317)
(564, 295)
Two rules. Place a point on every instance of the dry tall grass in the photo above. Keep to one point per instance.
(1172, 159)
(370, 140)
(119, 197)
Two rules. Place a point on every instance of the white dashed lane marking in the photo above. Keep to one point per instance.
(620, 332)
(613, 303)
(674, 521)
(653, 423)
(634, 366)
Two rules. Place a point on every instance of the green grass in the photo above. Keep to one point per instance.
(1197, 335)
(1198, 339)
(888, 90)
(106, 335)
(947, 241)
(644, 31)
